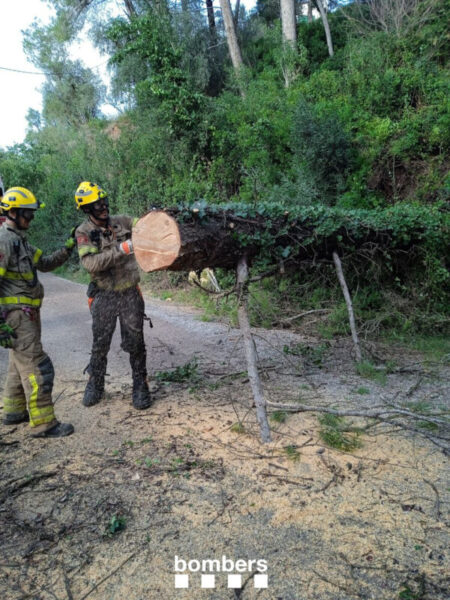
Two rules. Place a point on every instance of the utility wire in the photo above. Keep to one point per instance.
(20, 71)
(41, 73)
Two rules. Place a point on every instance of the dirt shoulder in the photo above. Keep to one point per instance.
(102, 514)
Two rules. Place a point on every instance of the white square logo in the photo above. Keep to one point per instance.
(235, 582)
(181, 580)
(260, 580)
(208, 581)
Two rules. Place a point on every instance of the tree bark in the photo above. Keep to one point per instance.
(211, 18)
(326, 26)
(288, 22)
(195, 238)
(230, 31)
(130, 9)
(250, 350)
(187, 244)
(236, 12)
(348, 302)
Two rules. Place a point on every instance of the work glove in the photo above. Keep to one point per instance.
(126, 247)
(70, 242)
(6, 335)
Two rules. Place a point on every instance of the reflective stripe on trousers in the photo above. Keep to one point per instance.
(29, 380)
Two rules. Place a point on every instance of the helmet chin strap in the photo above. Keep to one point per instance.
(15, 219)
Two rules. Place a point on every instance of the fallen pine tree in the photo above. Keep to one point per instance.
(231, 236)
(194, 237)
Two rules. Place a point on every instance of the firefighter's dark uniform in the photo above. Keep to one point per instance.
(114, 293)
(30, 375)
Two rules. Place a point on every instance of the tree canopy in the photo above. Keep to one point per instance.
(363, 130)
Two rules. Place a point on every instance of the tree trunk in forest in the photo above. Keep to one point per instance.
(130, 9)
(211, 19)
(230, 31)
(326, 26)
(236, 12)
(250, 350)
(289, 34)
(310, 11)
(288, 22)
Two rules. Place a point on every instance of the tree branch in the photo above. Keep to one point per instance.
(250, 350)
(348, 302)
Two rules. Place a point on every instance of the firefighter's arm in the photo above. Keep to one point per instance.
(95, 260)
(6, 332)
(5, 252)
(92, 258)
(57, 258)
(51, 261)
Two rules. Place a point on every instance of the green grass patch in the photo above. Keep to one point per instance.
(427, 425)
(336, 433)
(433, 347)
(420, 407)
(278, 416)
(237, 427)
(292, 453)
(367, 370)
(312, 354)
(116, 524)
(363, 391)
(212, 308)
(187, 372)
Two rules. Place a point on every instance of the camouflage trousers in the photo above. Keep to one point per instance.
(30, 375)
(106, 308)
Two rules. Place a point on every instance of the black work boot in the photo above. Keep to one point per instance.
(58, 430)
(141, 394)
(93, 392)
(15, 418)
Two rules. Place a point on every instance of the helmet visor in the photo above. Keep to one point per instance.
(27, 213)
(100, 204)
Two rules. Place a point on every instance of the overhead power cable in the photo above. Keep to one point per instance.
(42, 73)
(20, 71)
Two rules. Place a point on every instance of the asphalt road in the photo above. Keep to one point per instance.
(176, 338)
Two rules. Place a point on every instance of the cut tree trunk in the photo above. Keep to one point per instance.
(192, 240)
(160, 242)
(156, 241)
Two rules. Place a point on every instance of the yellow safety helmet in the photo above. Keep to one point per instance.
(19, 197)
(88, 193)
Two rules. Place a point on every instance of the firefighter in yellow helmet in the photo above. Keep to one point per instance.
(106, 251)
(29, 380)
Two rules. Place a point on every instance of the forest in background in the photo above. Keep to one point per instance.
(270, 115)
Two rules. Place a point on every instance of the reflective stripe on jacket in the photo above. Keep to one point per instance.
(100, 256)
(19, 261)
